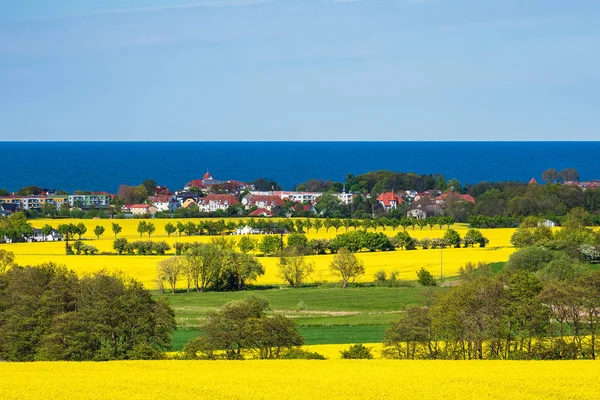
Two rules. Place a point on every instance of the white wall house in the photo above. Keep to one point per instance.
(214, 202)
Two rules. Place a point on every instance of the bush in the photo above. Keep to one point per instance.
(453, 238)
(120, 245)
(297, 240)
(356, 352)
(299, 354)
(425, 278)
(530, 259)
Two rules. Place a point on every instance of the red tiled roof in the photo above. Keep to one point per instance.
(388, 197)
(159, 199)
(533, 182)
(261, 211)
(130, 206)
(230, 199)
(268, 199)
(464, 197)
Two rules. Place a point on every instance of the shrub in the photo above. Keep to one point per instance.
(425, 278)
(452, 237)
(120, 245)
(299, 354)
(530, 259)
(357, 351)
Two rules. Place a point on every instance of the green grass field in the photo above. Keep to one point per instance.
(323, 315)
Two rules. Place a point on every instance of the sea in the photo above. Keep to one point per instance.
(103, 166)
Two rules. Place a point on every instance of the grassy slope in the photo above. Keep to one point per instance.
(324, 315)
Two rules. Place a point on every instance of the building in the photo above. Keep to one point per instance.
(89, 200)
(38, 236)
(304, 197)
(262, 201)
(140, 209)
(390, 200)
(261, 212)
(164, 203)
(214, 202)
(208, 182)
(453, 196)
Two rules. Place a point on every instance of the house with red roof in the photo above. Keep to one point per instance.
(261, 212)
(453, 196)
(266, 201)
(214, 202)
(390, 200)
(207, 182)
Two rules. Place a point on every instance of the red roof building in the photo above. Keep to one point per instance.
(532, 182)
(214, 202)
(390, 200)
(454, 197)
(266, 201)
(261, 212)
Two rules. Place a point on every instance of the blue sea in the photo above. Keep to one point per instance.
(102, 166)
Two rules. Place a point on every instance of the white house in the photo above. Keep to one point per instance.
(247, 230)
(38, 236)
(214, 202)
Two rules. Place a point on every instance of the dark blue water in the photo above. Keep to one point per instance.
(103, 166)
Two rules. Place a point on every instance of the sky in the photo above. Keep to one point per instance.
(406, 70)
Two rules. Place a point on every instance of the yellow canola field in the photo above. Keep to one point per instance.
(143, 268)
(301, 379)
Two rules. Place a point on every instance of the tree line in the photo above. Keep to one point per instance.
(47, 313)
(544, 305)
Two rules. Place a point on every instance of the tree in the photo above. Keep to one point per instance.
(270, 244)
(150, 228)
(116, 228)
(347, 266)
(453, 238)
(246, 244)
(7, 260)
(294, 269)
(46, 230)
(425, 278)
(81, 229)
(67, 230)
(54, 315)
(550, 175)
(318, 224)
(569, 174)
(142, 228)
(181, 228)
(170, 229)
(150, 186)
(297, 240)
(241, 327)
(99, 231)
(120, 245)
(170, 269)
(474, 236)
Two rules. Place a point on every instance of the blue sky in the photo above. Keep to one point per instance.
(300, 70)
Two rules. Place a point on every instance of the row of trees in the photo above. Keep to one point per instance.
(48, 313)
(140, 247)
(211, 266)
(544, 305)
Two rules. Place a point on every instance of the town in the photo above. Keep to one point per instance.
(210, 195)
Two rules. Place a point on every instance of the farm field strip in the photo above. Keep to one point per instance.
(143, 268)
(301, 379)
